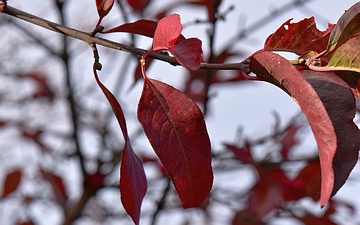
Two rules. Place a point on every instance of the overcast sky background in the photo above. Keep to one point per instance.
(234, 106)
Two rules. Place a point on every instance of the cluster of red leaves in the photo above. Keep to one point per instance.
(274, 191)
(324, 93)
(173, 123)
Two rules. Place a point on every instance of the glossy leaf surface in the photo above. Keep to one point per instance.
(176, 130)
(103, 7)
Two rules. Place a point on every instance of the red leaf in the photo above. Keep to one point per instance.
(241, 154)
(103, 7)
(141, 27)
(299, 37)
(211, 6)
(176, 130)
(58, 186)
(289, 140)
(310, 175)
(339, 103)
(138, 5)
(167, 32)
(188, 53)
(133, 183)
(11, 183)
(277, 70)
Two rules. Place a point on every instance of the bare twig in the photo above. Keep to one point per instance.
(86, 37)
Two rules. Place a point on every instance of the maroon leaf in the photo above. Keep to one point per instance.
(242, 154)
(167, 32)
(138, 5)
(57, 185)
(176, 130)
(11, 183)
(188, 53)
(277, 70)
(289, 140)
(103, 7)
(133, 183)
(141, 27)
(339, 103)
(299, 37)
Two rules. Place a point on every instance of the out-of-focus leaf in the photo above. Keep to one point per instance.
(11, 182)
(277, 70)
(310, 175)
(138, 5)
(210, 5)
(133, 182)
(242, 154)
(289, 140)
(346, 26)
(299, 37)
(176, 130)
(57, 185)
(167, 32)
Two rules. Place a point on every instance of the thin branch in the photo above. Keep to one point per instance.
(86, 37)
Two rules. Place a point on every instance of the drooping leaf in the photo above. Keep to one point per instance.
(275, 69)
(346, 26)
(177, 132)
(188, 53)
(138, 5)
(103, 7)
(339, 103)
(167, 32)
(299, 37)
(58, 186)
(133, 182)
(11, 182)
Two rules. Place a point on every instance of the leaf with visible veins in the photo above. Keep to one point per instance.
(329, 106)
(299, 37)
(177, 132)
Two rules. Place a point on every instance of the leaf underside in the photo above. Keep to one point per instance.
(335, 97)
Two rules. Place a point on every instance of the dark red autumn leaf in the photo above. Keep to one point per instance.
(57, 185)
(339, 103)
(188, 53)
(289, 140)
(299, 37)
(242, 154)
(310, 175)
(103, 7)
(138, 5)
(277, 70)
(210, 5)
(346, 26)
(177, 132)
(167, 32)
(11, 182)
(141, 27)
(133, 182)
(43, 89)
